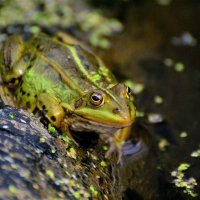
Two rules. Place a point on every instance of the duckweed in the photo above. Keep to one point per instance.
(179, 67)
(181, 181)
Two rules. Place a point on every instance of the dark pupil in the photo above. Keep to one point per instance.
(129, 90)
(95, 98)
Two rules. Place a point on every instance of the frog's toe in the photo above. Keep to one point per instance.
(129, 148)
(112, 150)
(132, 151)
(115, 150)
(125, 150)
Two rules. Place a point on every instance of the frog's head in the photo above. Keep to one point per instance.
(111, 107)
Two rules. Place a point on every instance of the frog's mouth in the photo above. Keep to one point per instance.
(81, 124)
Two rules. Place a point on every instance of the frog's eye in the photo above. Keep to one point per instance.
(96, 99)
(128, 91)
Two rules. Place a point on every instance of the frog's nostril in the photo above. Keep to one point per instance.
(116, 110)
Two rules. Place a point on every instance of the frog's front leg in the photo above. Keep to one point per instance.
(51, 108)
(117, 141)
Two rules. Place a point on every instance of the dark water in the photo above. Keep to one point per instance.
(152, 34)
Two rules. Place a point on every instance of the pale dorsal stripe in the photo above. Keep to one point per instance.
(85, 73)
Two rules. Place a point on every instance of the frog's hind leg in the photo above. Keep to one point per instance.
(26, 97)
(6, 95)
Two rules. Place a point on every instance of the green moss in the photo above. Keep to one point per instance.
(50, 174)
(105, 148)
(51, 129)
(66, 139)
(67, 173)
(71, 153)
(77, 195)
(12, 188)
(53, 151)
(42, 140)
(103, 164)
(11, 115)
(93, 190)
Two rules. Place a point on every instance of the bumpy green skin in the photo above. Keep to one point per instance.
(59, 78)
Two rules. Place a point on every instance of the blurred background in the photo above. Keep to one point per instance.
(152, 45)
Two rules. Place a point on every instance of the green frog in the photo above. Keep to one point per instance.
(70, 85)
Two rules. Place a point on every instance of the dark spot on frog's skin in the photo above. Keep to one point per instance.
(22, 91)
(13, 80)
(27, 57)
(86, 66)
(116, 110)
(20, 83)
(59, 38)
(28, 94)
(37, 46)
(84, 61)
(32, 59)
(53, 118)
(43, 107)
(40, 47)
(35, 96)
(78, 103)
(28, 104)
(81, 57)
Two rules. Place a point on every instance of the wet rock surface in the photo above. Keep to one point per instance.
(35, 165)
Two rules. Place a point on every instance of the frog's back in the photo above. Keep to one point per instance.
(73, 61)
(65, 70)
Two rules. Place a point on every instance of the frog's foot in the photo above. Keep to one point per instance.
(115, 149)
(126, 149)
(130, 148)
